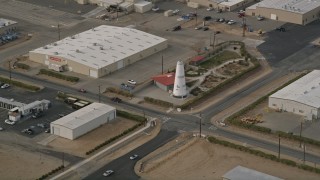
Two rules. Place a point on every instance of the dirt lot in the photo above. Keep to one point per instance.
(18, 163)
(199, 159)
(83, 144)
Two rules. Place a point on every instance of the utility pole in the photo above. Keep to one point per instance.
(200, 123)
(300, 134)
(210, 39)
(244, 26)
(196, 17)
(59, 31)
(99, 94)
(162, 64)
(214, 40)
(10, 71)
(279, 148)
(304, 153)
(63, 159)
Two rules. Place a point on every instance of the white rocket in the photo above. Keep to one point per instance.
(180, 88)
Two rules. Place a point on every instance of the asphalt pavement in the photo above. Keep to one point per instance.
(123, 166)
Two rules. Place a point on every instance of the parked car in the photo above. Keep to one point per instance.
(230, 22)
(5, 86)
(61, 115)
(130, 81)
(281, 29)
(116, 99)
(176, 28)
(37, 114)
(221, 20)
(207, 18)
(82, 90)
(217, 32)
(133, 157)
(8, 121)
(176, 11)
(260, 18)
(42, 125)
(47, 130)
(209, 9)
(155, 9)
(198, 28)
(1, 129)
(205, 28)
(27, 131)
(108, 172)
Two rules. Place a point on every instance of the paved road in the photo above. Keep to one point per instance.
(123, 166)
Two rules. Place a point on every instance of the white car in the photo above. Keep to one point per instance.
(1, 128)
(260, 18)
(108, 173)
(8, 121)
(176, 11)
(130, 81)
(133, 157)
(5, 86)
(155, 9)
(231, 22)
(209, 9)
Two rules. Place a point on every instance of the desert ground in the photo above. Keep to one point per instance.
(23, 163)
(200, 159)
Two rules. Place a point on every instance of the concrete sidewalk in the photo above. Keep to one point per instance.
(88, 160)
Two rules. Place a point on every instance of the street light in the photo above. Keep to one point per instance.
(200, 119)
(58, 27)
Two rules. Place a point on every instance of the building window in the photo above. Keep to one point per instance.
(274, 105)
(313, 16)
(301, 111)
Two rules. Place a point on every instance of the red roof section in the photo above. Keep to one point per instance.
(165, 79)
(197, 58)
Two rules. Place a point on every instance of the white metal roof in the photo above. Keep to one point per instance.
(243, 173)
(101, 46)
(305, 90)
(83, 115)
(228, 2)
(12, 102)
(6, 22)
(297, 6)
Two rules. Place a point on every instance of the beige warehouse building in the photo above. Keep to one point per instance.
(301, 97)
(224, 5)
(293, 11)
(99, 51)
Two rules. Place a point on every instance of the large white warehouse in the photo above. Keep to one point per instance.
(302, 97)
(83, 120)
(99, 51)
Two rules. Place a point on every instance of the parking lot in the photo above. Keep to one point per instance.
(52, 114)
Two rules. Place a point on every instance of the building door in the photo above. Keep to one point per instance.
(93, 73)
(274, 17)
(56, 130)
(120, 64)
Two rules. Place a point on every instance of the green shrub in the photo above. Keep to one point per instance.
(119, 91)
(19, 84)
(58, 75)
(22, 66)
(158, 102)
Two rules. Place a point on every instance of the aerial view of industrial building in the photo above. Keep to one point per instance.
(98, 51)
(293, 11)
(301, 97)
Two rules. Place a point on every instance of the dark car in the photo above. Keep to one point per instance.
(207, 18)
(217, 32)
(47, 130)
(176, 28)
(281, 29)
(82, 90)
(28, 131)
(205, 28)
(116, 99)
